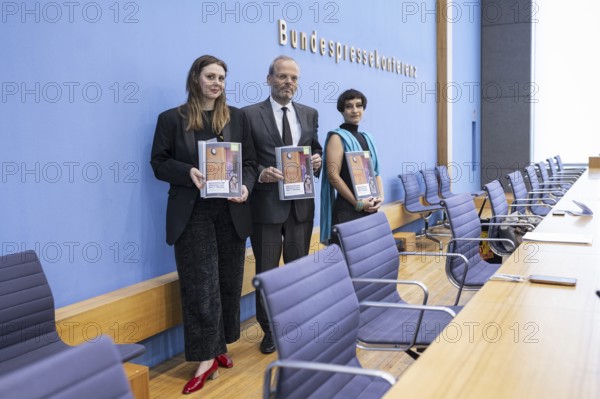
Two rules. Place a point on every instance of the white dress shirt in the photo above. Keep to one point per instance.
(292, 118)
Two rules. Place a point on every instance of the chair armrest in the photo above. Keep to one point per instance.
(436, 254)
(564, 173)
(553, 192)
(562, 190)
(517, 217)
(413, 253)
(326, 367)
(407, 306)
(513, 205)
(579, 171)
(391, 281)
(542, 198)
(528, 216)
(447, 254)
(532, 201)
(561, 180)
(482, 239)
(509, 224)
(422, 308)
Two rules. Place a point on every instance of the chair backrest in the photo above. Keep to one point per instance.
(497, 198)
(412, 191)
(92, 370)
(444, 178)
(531, 174)
(561, 167)
(499, 206)
(519, 190)
(559, 163)
(546, 177)
(26, 310)
(370, 251)
(533, 177)
(27, 316)
(543, 171)
(464, 223)
(314, 316)
(431, 186)
(553, 169)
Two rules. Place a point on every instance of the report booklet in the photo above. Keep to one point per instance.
(298, 180)
(221, 165)
(364, 183)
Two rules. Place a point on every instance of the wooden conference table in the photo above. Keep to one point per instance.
(525, 340)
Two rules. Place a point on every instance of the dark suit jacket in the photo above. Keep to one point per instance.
(175, 152)
(265, 202)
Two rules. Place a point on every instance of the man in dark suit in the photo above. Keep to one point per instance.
(280, 225)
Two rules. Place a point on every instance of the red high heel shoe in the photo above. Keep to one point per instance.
(197, 383)
(225, 361)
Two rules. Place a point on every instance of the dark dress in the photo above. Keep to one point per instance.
(343, 211)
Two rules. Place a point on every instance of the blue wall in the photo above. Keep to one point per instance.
(464, 92)
(82, 86)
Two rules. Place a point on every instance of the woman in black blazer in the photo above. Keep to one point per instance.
(209, 234)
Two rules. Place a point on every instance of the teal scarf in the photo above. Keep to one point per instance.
(327, 190)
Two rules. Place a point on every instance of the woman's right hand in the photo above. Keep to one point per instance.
(197, 178)
(371, 205)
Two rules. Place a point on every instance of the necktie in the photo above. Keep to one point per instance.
(286, 133)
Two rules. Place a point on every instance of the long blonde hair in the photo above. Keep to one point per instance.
(196, 98)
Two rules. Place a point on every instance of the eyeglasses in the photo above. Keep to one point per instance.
(283, 77)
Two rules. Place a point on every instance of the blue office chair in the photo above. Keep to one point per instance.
(558, 182)
(92, 370)
(562, 167)
(432, 188)
(432, 193)
(373, 261)
(314, 317)
(466, 236)
(503, 224)
(412, 204)
(445, 182)
(555, 172)
(27, 317)
(548, 192)
(524, 201)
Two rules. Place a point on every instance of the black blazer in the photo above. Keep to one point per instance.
(175, 152)
(265, 202)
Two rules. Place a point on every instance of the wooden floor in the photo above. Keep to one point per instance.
(245, 379)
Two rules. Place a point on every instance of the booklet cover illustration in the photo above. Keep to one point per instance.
(364, 183)
(298, 180)
(221, 165)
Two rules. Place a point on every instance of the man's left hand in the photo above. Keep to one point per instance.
(316, 162)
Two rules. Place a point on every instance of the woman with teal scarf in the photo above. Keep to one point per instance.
(338, 203)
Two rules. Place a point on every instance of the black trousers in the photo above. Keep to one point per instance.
(268, 241)
(210, 263)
